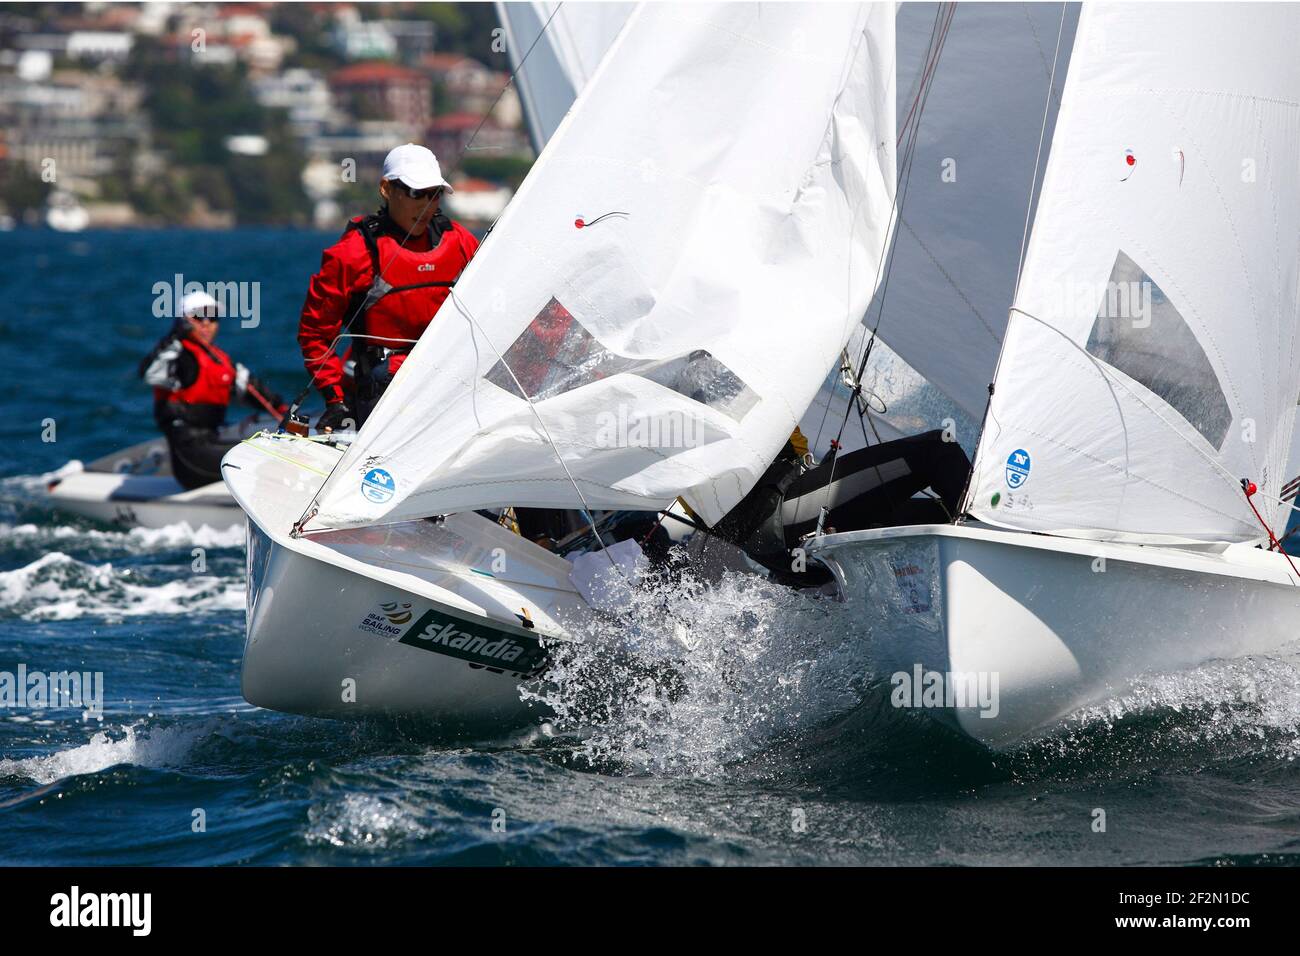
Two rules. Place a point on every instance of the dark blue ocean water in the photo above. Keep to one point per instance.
(762, 767)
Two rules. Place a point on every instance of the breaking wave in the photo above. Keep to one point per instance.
(1248, 706)
(694, 676)
(160, 747)
(132, 541)
(59, 587)
(363, 820)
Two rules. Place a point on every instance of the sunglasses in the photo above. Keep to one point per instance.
(433, 192)
(206, 317)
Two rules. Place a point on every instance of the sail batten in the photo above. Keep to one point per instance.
(671, 285)
(1149, 362)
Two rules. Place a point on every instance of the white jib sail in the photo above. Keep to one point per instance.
(1150, 360)
(564, 43)
(670, 286)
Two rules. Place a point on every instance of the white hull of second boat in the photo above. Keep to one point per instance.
(143, 501)
(134, 487)
(1058, 623)
(434, 620)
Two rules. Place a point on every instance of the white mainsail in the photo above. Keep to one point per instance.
(564, 43)
(1150, 360)
(671, 285)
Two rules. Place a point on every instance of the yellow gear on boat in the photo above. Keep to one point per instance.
(799, 442)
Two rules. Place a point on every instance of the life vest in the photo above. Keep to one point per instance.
(407, 287)
(204, 402)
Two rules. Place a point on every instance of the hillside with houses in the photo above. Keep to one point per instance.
(119, 115)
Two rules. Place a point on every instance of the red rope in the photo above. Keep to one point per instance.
(263, 401)
(1249, 488)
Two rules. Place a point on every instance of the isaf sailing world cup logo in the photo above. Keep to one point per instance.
(396, 613)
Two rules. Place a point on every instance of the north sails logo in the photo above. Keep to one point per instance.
(1018, 465)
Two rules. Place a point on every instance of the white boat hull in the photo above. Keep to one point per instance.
(435, 620)
(143, 501)
(134, 487)
(1052, 624)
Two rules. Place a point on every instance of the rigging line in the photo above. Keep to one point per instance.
(901, 197)
(910, 160)
(835, 381)
(914, 138)
(1038, 156)
(938, 34)
(846, 365)
(505, 86)
(1041, 55)
(1249, 489)
(938, 37)
(917, 82)
(345, 329)
(385, 338)
(934, 260)
(1020, 263)
(586, 509)
(923, 78)
(510, 80)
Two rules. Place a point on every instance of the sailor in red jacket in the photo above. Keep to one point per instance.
(193, 382)
(381, 284)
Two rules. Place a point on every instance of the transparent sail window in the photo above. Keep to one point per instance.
(555, 354)
(1140, 332)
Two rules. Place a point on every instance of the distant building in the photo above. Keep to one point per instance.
(363, 145)
(470, 87)
(55, 44)
(303, 94)
(358, 39)
(478, 200)
(384, 91)
(80, 126)
(222, 36)
(414, 38)
(99, 46)
(106, 17)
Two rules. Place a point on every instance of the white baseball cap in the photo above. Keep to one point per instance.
(416, 166)
(195, 302)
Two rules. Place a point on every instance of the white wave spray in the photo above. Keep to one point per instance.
(693, 676)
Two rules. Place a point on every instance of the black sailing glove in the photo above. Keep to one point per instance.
(337, 417)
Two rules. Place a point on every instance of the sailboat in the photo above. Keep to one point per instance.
(134, 487)
(646, 323)
(1132, 472)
